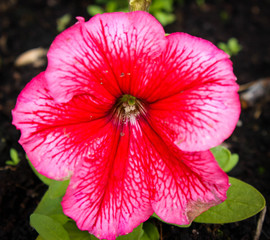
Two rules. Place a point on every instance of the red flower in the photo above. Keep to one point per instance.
(129, 115)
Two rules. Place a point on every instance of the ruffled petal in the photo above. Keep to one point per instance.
(183, 184)
(57, 136)
(136, 172)
(108, 194)
(108, 53)
(188, 187)
(194, 99)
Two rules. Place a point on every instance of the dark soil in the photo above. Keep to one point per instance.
(30, 24)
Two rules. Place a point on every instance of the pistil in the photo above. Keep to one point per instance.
(127, 108)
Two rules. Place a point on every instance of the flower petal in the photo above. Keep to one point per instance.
(108, 194)
(56, 136)
(189, 187)
(105, 53)
(194, 101)
(117, 187)
(183, 184)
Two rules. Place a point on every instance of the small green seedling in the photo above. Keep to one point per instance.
(14, 158)
(232, 47)
(225, 159)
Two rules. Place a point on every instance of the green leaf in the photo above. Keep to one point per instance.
(94, 9)
(164, 18)
(234, 46)
(61, 218)
(48, 228)
(222, 155)
(232, 163)
(243, 201)
(224, 47)
(224, 158)
(76, 234)
(150, 232)
(157, 217)
(14, 157)
(10, 163)
(49, 206)
(58, 188)
(136, 234)
(63, 22)
(160, 5)
(112, 6)
(42, 178)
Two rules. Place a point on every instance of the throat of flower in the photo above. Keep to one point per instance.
(127, 109)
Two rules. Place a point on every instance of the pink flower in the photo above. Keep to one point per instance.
(129, 115)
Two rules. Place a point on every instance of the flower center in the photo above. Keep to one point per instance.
(128, 108)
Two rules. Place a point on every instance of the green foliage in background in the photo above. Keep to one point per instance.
(63, 22)
(162, 10)
(14, 158)
(232, 47)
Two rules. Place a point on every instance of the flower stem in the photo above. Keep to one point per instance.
(139, 5)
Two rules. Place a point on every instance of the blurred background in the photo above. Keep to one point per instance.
(241, 28)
